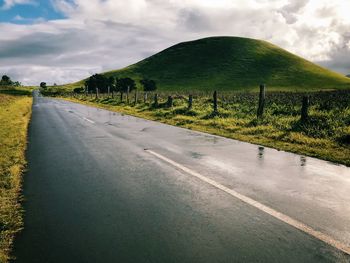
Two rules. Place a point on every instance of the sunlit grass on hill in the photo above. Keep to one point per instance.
(229, 63)
(15, 112)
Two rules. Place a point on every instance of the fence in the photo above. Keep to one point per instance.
(260, 101)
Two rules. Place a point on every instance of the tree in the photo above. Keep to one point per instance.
(79, 90)
(148, 84)
(124, 83)
(43, 85)
(5, 81)
(5, 78)
(111, 83)
(97, 81)
(17, 84)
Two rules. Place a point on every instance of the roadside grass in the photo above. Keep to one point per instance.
(15, 112)
(326, 135)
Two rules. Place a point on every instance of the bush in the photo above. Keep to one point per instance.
(317, 126)
(79, 90)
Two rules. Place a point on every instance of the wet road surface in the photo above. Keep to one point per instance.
(106, 187)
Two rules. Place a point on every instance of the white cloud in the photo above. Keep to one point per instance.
(100, 35)
(8, 4)
(18, 18)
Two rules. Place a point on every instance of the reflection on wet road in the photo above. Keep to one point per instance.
(93, 194)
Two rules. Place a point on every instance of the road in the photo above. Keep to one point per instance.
(106, 187)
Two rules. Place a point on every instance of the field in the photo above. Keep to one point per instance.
(325, 135)
(15, 112)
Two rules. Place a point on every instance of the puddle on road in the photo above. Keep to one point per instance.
(302, 161)
(145, 129)
(261, 151)
(196, 155)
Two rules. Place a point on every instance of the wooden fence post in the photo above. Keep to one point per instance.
(145, 97)
(305, 109)
(127, 95)
(109, 90)
(261, 105)
(190, 101)
(121, 96)
(215, 102)
(96, 93)
(155, 104)
(90, 94)
(112, 94)
(170, 102)
(135, 99)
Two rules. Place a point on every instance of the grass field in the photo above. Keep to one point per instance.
(326, 135)
(229, 63)
(15, 112)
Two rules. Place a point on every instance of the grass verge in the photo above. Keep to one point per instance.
(326, 135)
(15, 112)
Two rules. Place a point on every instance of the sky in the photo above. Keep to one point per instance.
(62, 41)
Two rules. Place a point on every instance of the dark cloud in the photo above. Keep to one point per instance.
(38, 44)
(290, 10)
(194, 20)
(74, 53)
(326, 12)
(339, 57)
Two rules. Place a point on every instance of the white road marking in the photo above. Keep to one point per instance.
(88, 120)
(278, 215)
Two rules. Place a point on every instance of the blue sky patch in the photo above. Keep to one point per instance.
(29, 13)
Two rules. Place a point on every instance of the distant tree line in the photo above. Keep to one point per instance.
(103, 84)
(6, 81)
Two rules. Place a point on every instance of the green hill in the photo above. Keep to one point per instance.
(231, 63)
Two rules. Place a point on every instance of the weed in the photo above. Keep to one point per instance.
(15, 111)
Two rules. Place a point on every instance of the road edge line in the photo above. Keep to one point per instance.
(86, 119)
(266, 209)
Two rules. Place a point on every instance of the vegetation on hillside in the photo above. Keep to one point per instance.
(6, 82)
(229, 63)
(15, 112)
(101, 84)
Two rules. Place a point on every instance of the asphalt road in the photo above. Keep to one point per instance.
(94, 194)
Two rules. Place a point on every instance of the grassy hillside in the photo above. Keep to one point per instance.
(231, 63)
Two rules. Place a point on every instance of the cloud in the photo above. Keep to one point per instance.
(291, 10)
(20, 19)
(339, 55)
(78, 51)
(99, 35)
(8, 4)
